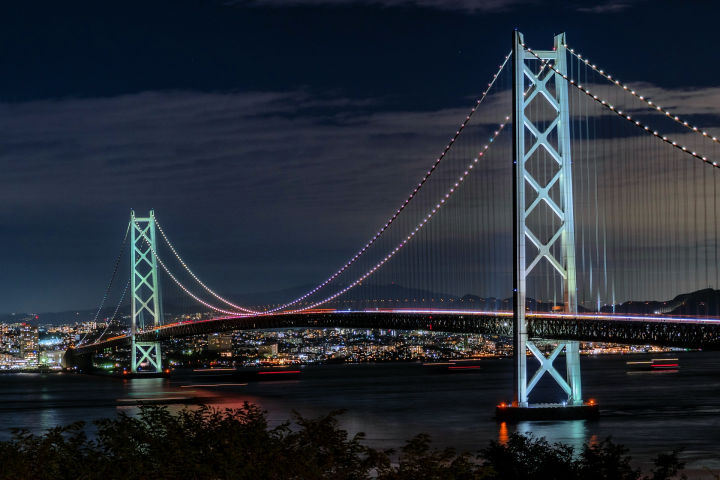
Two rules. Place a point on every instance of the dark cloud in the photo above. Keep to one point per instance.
(466, 5)
(606, 7)
(473, 6)
(105, 149)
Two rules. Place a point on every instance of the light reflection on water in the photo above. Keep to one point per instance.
(503, 435)
(569, 432)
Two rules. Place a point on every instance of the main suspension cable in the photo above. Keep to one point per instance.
(183, 287)
(407, 201)
(375, 237)
(248, 312)
(195, 277)
(412, 234)
(627, 117)
(643, 98)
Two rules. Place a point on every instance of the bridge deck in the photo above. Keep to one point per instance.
(624, 329)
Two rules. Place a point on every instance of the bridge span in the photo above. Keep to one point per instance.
(598, 212)
(665, 331)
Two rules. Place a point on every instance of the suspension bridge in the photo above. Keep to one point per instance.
(557, 206)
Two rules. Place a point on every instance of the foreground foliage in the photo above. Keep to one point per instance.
(206, 443)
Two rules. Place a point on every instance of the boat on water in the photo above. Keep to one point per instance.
(655, 364)
(261, 374)
(455, 366)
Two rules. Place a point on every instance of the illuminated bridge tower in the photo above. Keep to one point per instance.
(146, 301)
(537, 86)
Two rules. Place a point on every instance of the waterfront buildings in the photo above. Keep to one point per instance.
(25, 346)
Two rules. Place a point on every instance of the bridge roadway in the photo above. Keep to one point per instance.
(666, 331)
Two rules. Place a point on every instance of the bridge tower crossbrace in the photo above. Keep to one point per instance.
(531, 83)
(146, 296)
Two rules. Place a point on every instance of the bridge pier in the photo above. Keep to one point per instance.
(529, 193)
(146, 352)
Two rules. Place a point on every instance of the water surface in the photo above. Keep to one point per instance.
(648, 412)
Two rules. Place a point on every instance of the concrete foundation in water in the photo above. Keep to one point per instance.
(547, 411)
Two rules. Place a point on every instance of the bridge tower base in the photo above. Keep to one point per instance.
(145, 356)
(549, 137)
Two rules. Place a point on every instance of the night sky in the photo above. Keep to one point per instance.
(272, 137)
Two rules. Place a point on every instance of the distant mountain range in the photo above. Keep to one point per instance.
(701, 303)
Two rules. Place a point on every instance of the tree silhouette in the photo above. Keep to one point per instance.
(210, 444)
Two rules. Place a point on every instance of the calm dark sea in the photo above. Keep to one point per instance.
(648, 412)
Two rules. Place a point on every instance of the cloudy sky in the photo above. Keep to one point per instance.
(272, 137)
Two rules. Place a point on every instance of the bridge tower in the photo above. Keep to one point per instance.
(146, 301)
(533, 82)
